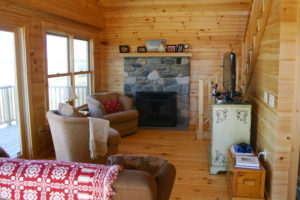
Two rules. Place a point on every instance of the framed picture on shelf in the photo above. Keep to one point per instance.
(154, 45)
(141, 49)
(180, 48)
(171, 48)
(124, 48)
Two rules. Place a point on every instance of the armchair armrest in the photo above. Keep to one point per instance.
(96, 108)
(165, 181)
(126, 102)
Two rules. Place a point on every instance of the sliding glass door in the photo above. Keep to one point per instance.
(12, 133)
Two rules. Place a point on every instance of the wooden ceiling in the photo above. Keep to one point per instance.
(178, 5)
(90, 11)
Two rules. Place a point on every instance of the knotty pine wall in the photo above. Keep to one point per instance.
(274, 72)
(209, 29)
(35, 25)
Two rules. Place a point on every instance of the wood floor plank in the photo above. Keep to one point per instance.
(189, 156)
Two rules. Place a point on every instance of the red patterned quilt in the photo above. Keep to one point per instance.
(55, 180)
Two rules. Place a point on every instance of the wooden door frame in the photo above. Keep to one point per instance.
(21, 83)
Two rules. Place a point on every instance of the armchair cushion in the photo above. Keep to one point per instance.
(67, 110)
(112, 106)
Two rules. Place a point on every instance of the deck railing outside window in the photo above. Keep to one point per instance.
(8, 105)
(8, 109)
(56, 95)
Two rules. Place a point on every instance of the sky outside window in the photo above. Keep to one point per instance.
(57, 54)
(7, 59)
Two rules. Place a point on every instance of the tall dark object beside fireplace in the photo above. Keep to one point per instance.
(157, 108)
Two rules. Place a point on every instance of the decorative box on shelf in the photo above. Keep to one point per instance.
(245, 184)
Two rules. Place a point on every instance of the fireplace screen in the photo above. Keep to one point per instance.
(157, 108)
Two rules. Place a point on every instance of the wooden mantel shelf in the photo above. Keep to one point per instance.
(155, 54)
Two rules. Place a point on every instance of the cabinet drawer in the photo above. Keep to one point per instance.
(248, 184)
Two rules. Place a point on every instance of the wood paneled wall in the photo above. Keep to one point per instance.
(210, 29)
(36, 25)
(274, 72)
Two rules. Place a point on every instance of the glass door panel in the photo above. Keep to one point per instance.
(10, 132)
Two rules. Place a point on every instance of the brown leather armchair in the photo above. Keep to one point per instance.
(124, 121)
(70, 137)
(157, 168)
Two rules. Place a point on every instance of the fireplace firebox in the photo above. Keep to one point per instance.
(157, 108)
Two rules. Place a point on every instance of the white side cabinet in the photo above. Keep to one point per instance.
(230, 124)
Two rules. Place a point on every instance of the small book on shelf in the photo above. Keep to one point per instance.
(249, 162)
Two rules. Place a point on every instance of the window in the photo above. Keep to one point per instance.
(68, 64)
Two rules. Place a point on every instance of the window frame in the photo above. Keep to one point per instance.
(71, 66)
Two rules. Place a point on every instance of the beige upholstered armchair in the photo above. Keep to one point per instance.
(125, 121)
(70, 137)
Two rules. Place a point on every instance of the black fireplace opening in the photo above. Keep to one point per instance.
(157, 108)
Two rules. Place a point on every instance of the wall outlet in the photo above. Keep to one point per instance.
(271, 100)
(264, 153)
(41, 130)
(266, 97)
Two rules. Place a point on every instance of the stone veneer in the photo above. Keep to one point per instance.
(161, 74)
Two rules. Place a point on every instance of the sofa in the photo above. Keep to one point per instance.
(71, 135)
(125, 121)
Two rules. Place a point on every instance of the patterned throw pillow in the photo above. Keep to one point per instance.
(112, 106)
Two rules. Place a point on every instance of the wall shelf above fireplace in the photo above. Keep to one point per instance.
(155, 54)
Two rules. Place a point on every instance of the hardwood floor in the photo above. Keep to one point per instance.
(190, 158)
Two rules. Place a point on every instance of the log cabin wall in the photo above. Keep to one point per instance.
(210, 28)
(273, 128)
(36, 24)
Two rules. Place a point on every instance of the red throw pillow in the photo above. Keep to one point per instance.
(112, 106)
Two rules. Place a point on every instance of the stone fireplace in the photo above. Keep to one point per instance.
(160, 74)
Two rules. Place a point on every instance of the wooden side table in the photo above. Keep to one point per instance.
(245, 184)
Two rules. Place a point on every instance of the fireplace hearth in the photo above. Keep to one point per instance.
(157, 108)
